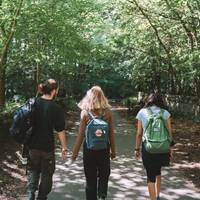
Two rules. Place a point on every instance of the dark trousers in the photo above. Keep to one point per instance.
(40, 169)
(97, 172)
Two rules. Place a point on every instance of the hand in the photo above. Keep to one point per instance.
(137, 154)
(64, 153)
(112, 155)
(73, 157)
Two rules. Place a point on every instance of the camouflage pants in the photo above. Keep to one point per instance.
(40, 169)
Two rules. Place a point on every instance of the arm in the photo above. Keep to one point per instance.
(62, 138)
(112, 136)
(138, 142)
(59, 119)
(81, 135)
(169, 126)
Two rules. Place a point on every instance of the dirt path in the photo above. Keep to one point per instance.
(127, 180)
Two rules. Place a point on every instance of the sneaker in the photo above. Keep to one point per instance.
(23, 160)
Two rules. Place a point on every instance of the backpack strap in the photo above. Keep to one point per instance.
(150, 112)
(101, 116)
(162, 116)
(162, 113)
(91, 115)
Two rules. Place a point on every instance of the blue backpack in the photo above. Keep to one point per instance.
(97, 133)
(23, 119)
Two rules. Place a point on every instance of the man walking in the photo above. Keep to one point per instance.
(41, 165)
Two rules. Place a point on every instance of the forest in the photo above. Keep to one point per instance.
(125, 46)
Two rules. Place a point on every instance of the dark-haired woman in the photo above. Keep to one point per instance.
(152, 162)
(41, 165)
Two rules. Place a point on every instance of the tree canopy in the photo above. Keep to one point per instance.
(124, 46)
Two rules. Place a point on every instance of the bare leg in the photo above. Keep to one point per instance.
(152, 190)
(158, 185)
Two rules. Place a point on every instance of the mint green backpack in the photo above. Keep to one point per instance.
(156, 137)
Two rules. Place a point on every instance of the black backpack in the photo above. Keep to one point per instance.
(23, 120)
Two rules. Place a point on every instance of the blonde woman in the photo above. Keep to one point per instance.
(96, 162)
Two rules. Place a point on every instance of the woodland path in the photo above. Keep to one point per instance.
(127, 180)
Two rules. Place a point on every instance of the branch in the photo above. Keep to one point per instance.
(171, 69)
(193, 22)
(3, 32)
(152, 25)
(158, 13)
(187, 30)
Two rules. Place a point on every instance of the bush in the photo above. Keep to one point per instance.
(6, 116)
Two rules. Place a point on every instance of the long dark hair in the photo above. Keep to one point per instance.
(155, 99)
(48, 86)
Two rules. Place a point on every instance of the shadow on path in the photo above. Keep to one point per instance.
(127, 180)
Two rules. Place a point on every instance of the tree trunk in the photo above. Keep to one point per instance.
(37, 78)
(2, 87)
(4, 52)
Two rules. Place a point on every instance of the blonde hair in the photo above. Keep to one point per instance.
(94, 100)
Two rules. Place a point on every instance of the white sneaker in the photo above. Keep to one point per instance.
(22, 159)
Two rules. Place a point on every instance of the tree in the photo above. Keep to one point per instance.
(10, 11)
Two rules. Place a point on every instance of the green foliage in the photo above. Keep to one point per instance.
(61, 40)
(158, 44)
(123, 46)
(6, 116)
(11, 107)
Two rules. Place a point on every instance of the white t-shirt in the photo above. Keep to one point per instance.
(143, 115)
